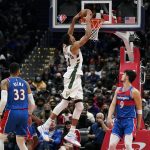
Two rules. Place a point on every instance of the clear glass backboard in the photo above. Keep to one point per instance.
(126, 15)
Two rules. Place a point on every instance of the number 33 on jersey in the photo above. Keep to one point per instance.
(17, 93)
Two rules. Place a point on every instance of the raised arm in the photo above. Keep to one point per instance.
(75, 47)
(71, 29)
(4, 95)
(138, 102)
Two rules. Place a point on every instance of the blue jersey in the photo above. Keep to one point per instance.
(17, 94)
(125, 107)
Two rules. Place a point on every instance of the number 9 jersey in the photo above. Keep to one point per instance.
(17, 94)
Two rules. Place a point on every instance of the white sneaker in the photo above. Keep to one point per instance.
(42, 131)
(72, 138)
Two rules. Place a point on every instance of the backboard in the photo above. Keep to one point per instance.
(126, 15)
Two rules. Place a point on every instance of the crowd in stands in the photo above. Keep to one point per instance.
(17, 37)
(100, 67)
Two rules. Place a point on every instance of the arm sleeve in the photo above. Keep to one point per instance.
(4, 95)
(31, 104)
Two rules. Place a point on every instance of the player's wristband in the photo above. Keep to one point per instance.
(139, 112)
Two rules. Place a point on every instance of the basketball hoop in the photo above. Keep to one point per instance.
(95, 25)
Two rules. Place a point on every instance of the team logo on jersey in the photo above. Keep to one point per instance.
(61, 18)
(121, 104)
(123, 97)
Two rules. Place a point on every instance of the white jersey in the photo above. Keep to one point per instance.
(73, 62)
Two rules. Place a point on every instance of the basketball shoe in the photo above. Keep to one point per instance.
(71, 137)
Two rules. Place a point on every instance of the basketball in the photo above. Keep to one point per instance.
(85, 12)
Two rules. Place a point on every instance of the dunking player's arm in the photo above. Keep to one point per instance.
(4, 95)
(138, 103)
(71, 28)
(77, 44)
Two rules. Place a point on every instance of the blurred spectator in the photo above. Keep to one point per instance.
(92, 108)
(104, 110)
(39, 83)
(53, 140)
(47, 74)
(97, 133)
(46, 112)
(58, 81)
(52, 103)
(93, 78)
(86, 119)
(39, 110)
(146, 111)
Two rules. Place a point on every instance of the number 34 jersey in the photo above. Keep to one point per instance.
(17, 94)
(73, 62)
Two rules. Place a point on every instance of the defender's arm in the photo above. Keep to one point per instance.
(112, 109)
(31, 101)
(138, 102)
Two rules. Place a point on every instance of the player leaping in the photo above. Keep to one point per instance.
(72, 78)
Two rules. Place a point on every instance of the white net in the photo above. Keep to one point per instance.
(94, 34)
(95, 24)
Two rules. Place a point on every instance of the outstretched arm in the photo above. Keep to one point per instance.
(71, 29)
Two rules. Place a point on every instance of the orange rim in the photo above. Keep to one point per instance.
(95, 22)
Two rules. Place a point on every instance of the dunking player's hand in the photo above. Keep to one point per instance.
(76, 17)
(87, 18)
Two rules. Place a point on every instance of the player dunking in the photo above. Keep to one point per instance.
(18, 102)
(72, 79)
(127, 102)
